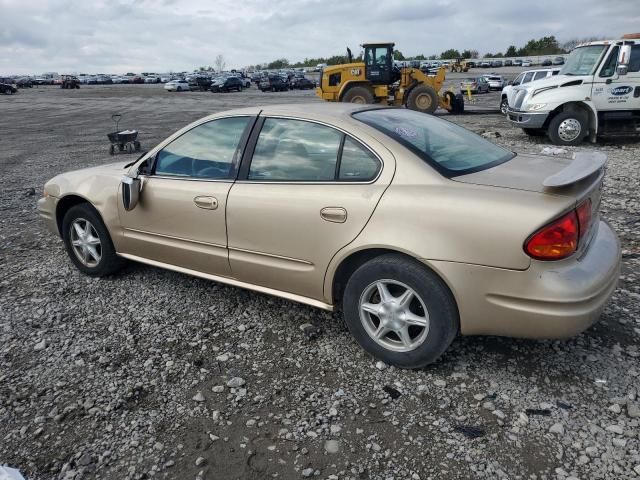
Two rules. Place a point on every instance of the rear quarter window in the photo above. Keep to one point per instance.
(447, 147)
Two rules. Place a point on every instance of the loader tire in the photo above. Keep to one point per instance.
(423, 98)
(358, 95)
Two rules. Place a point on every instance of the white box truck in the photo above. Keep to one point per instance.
(597, 92)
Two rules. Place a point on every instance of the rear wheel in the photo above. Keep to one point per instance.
(423, 98)
(88, 242)
(400, 311)
(179, 89)
(568, 128)
(358, 94)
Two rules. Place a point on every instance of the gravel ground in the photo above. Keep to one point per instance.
(156, 374)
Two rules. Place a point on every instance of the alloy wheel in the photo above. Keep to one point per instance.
(394, 315)
(569, 129)
(85, 242)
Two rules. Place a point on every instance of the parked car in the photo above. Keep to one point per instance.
(471, 63)
(475, 84)
(546, 62)
(226, 84)
(177, 86)
(24, 82)
(522, 79)
(496, 82)
(302, 84)
(485, 65)
(273, 83)
(527, 63)
(281, 219)
(517, 63)
(7, 86)
(508, 63)
(496, 64)
(558, 61)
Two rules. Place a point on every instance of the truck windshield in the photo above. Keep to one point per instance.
(450, 149)
(583, 60)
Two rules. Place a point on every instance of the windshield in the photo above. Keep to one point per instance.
(583, 60)
(449, 148)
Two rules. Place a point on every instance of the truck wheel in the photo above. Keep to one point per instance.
(568, 128)
(358, 95)
(423, 98)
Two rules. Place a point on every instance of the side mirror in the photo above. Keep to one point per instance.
(131, 188)
(623, 59)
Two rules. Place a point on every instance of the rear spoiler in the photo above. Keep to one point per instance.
(584, 164)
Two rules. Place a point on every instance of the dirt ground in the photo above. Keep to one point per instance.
(133, 376)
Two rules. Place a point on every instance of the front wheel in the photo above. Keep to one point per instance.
(568, 128)
(504, 105)
(362, 95)
(88, 242)
(400, 311)
(423, 98)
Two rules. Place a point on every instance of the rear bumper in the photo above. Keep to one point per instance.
(548, 300)
(526, 119)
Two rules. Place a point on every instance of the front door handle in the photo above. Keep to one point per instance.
(208, 203)
(334, 214)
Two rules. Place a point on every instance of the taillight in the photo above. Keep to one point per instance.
(560, 238)
(584, 217)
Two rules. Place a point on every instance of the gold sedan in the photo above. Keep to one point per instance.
(416, 228)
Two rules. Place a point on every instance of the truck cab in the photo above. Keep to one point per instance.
(597, 92)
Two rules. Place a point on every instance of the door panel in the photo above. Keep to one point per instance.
(278, 237)
(180, 222)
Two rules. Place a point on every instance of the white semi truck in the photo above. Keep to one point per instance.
(597, 92)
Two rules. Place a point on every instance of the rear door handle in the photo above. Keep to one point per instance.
(334, 214)
(208, 203)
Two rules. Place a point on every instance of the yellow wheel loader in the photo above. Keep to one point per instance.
(377, 80)
(459, 65)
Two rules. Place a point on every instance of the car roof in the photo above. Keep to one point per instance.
(326, 111)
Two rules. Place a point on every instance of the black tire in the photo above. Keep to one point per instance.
(423, 98)
(561, 131)
(179, 89)
(109, 262)
(358, 94)
(534, 132)
(112, 150)
(458, 105)
(504, 104)
(435, 295)
(136, 144)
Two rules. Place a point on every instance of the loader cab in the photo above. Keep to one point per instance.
(378, 63)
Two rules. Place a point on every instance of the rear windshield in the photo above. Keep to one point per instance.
(449, 148)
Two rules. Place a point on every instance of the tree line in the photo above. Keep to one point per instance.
(542, 46)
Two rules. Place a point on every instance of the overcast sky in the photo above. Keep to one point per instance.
(118, 36)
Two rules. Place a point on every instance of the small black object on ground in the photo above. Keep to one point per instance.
(470, 431)
(122, 141)
(544, 412)
(392, 392)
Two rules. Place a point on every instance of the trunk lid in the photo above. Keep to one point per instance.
(580, 179)
(541, 173)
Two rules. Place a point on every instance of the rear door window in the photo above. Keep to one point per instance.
(527, 77)
(291, 150)
(540, 75)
